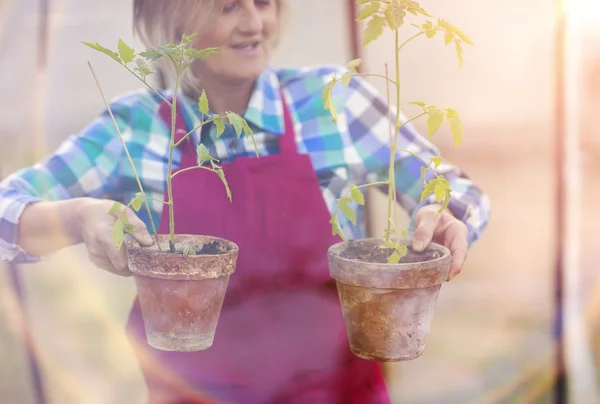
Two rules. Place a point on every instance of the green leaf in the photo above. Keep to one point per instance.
(357, 196)
(419, 103)
(203, 103)
(327, 98)
(368, 11)
(436, 161)
(335, 226)
(347, 210)
(436, 117)
(456, 129)
(464, 37)
(388, 14)
(439, 191)
(352, 65)
(221, 175)
(104, 50)
(362, 1)
(446, 202)
(137, 202)
(448, 36)
(116, 208)
(346, 77)
(143, 66)
(129, 228)
(394, 258)
(151, 55)
(398, 14)
(118, 233)
(429, 28)
(423, 172)
(459, 53)
(373, 30)
(193, 54)
(236, 121)
(404, 234)
(220, 126)
(187, 39)
(402, 250)
(127, 54)
(428, 189)
(203, 154)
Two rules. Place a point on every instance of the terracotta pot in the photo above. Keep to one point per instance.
(387, 307)
(181, 295)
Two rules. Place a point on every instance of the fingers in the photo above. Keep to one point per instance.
(427, 223)
(456, 239)
(141, 233)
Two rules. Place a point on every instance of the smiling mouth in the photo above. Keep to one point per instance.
(247, 46)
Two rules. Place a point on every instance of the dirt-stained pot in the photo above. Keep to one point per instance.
(181, 294)
(387, 307)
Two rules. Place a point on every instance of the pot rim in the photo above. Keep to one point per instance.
(336, 249)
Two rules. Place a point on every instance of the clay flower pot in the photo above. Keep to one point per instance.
(181, 295)
(387, 307)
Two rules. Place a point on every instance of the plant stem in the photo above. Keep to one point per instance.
(147, 85)
(417, 35)
(387, 90)
(202, 123)
(190, 168)
(376, 75)
(127, 152)
(392, 181)
(170, 166)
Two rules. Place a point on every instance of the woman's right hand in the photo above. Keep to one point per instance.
(95, 228)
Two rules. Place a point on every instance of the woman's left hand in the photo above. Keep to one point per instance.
(444, 229)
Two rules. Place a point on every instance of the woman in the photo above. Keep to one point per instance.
(281, 337)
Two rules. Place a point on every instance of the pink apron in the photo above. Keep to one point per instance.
(281, 335)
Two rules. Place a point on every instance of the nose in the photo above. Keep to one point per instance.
(251, 21)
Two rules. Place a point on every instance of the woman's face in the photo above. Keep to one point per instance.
(244, 31)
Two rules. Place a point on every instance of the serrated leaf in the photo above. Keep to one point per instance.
(439, 191)
(203, 154)
(368, 11)
(137, 202)
(143, 66)
(436, 161)
(373, 30)
(221, 175)
(353, 64)
(402, 250)
(394, 258)
(404, 234)
(236, 121)
(459, 53)
(347, 210)
(116, 208)
(456, 129)
(152, 55)
(388, 14)
(436, 117)
(201, 53)
(220, 126)
(398, 14)
(346, 77)
(423, 172)
(104, 50)
(464, 37)
(362, 1)
(446, 203)
(187, 39)
(327, 98)
(357, 196)
(203, 103)
(118, 233)
(125, 52)
(428, 189)
(335, 226)
(448, 36)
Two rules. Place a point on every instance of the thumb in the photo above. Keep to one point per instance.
(426, 224)
(141, 233)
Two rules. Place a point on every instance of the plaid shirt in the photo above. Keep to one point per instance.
(354, 149)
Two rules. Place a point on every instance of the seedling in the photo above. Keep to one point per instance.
(392, 14)
(181, 56)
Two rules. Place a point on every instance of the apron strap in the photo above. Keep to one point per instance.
(287, 142)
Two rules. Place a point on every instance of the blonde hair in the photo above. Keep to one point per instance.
(156, 21)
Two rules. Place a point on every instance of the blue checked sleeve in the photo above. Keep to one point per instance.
(368, 126)
(84, 165)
